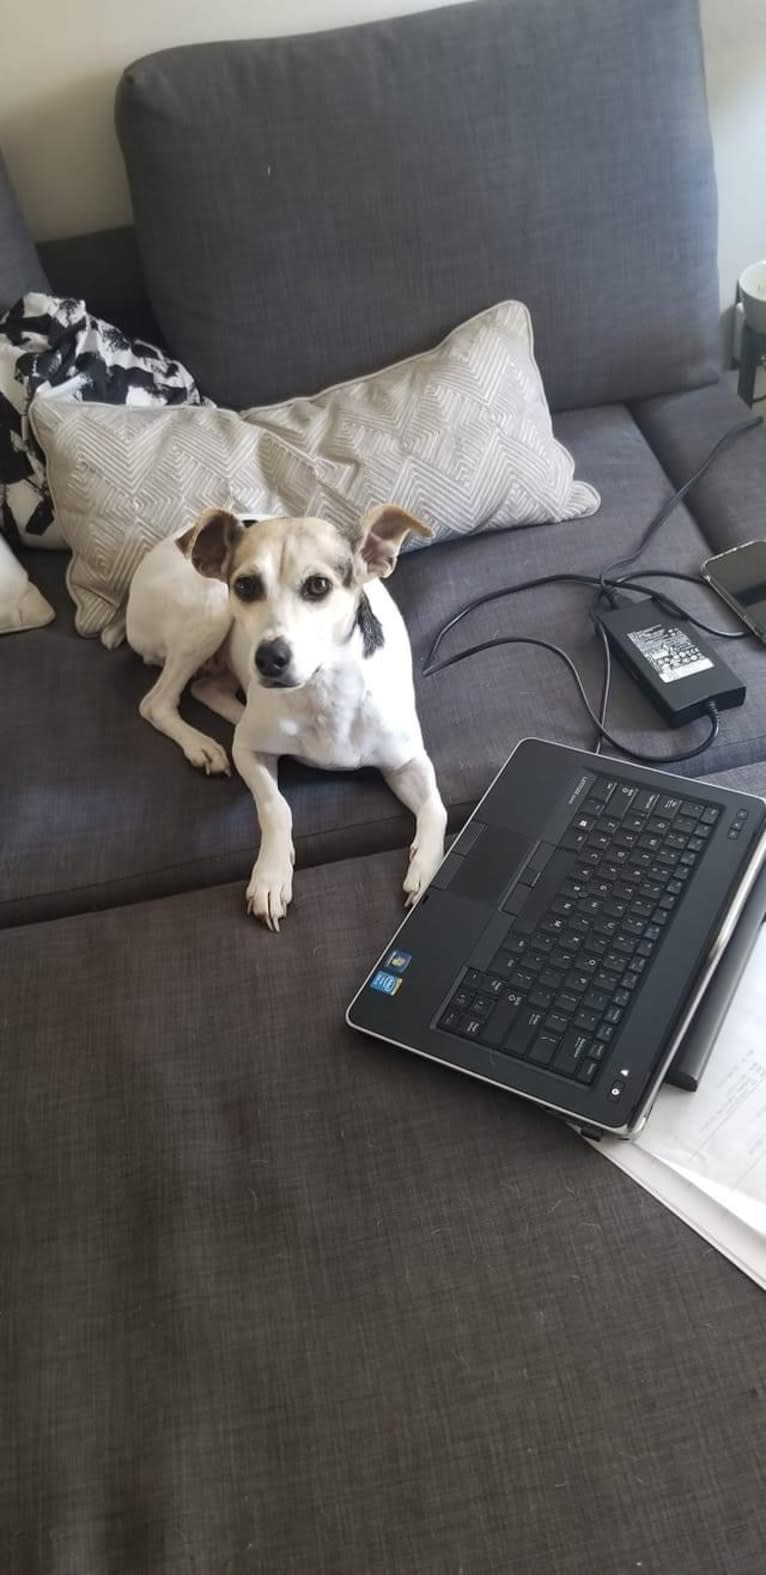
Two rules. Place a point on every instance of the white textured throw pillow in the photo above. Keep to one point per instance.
(22, 606)
(460, 435)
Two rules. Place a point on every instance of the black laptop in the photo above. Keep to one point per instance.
(572, 933)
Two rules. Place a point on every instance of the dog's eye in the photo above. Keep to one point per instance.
(315, 588)
(249, 587)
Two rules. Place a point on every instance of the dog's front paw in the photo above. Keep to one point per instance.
(207, 755)
(424, 862)
(271, 888)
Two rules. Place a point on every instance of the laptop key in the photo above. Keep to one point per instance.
(587, 1071)
(588, 1021)
(572, 841)
(644, 801)
(633, 822)
(515, 944)
(550, 979)
(556, 1023)
(571, 1051)
(462, 999)
(543, 1050)
(622, 800)
(596, 1000)
(523, 1030)
(473, 979)
(497, 1026)
(482, 1007)
(542, 999)
(523, 979)
(577, 982)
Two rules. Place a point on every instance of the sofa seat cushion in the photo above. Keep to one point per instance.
(98, 808)
(281, 1298)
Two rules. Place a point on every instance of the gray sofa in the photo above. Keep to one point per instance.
(275, 1299)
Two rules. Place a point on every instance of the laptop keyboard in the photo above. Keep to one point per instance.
(585, 920)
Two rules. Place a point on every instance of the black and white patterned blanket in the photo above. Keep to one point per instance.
(51, 348)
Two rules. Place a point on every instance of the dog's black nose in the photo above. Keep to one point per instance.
(272, 658)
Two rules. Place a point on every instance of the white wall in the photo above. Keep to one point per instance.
(61, 59)
(735, 57)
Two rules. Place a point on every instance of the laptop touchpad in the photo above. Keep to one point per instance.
(486, 872)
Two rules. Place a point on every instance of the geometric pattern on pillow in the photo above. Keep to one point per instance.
(460, 435)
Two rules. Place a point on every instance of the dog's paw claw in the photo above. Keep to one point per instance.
(210, 757)
(269, 893)
(420, 872)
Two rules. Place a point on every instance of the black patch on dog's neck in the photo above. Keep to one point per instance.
(370, 627)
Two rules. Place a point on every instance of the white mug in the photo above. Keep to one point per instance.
(752, 288)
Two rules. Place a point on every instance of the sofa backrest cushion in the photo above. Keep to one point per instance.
(311, 208)
(20, 266)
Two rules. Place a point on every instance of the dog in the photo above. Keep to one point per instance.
(292, 614)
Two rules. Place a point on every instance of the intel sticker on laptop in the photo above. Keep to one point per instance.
(387, 983)
(399, 962)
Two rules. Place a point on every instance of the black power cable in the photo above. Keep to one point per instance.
(609, 586)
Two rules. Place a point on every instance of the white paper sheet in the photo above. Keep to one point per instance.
(723, 1230)
(704, 1154)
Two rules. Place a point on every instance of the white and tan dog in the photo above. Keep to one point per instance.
(295, 612)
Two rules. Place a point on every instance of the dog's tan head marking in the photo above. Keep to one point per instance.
(297, 584)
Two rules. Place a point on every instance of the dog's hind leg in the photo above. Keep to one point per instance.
(415, 785)
(219, 695)
(160, 707)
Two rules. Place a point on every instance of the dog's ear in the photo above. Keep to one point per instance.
(382, 533)
(211, 541)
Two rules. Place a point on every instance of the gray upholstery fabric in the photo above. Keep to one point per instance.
(104, 270)
(309, 209)
(20, 266)
(112, 812)
(278, 1300)
(730, 501)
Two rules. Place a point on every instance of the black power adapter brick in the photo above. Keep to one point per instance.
(674, 667)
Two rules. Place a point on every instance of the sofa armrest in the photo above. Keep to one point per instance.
(729, 502)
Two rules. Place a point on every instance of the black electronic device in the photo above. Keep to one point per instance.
(739, 577)
(678, 671)
(573, 931)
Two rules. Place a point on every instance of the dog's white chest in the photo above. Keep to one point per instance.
(327, 723)
(359, 715)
